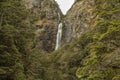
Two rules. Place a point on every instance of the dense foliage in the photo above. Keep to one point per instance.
(15, 39)
(94, 56)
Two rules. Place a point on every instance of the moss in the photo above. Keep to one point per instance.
(19, 72)
(110, 15)
(2, 71)
(104, 38)
(116, 77)
(112, 31)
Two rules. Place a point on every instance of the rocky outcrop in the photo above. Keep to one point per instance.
(79, 19)
(46, 17)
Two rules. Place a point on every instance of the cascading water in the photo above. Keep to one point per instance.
(59, 36)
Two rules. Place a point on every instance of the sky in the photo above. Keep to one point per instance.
(65, 5)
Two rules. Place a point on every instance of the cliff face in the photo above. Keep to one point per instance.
(46, 17)
(92, 27)
(95, 55)
(80, 18)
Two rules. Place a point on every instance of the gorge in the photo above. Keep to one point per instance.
(38, 42)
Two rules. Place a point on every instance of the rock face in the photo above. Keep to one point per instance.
(93, 55)
(45, 20)
(92, 27)
(79, 19)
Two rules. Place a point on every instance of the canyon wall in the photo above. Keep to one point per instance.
(46, 17)
(90, 41)
(79, 19)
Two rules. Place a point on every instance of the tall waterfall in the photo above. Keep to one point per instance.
(59, 36)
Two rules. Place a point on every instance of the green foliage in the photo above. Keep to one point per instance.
(12, 12)
(19, 72)
(8, 49)
(116, 77)
(95, 55)
(105, 38)
(15, 39)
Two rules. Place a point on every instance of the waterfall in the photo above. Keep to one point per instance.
(59, 36)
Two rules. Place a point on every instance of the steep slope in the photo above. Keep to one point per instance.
(28, 33)
(79, 19)
(95, 55)
(15, 43)
(45, 20)
(46, 16)
(26, 27)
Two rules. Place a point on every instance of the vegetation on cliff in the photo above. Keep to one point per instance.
(95, 55)
(15, 43)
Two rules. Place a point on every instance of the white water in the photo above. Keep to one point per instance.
(59, 36)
